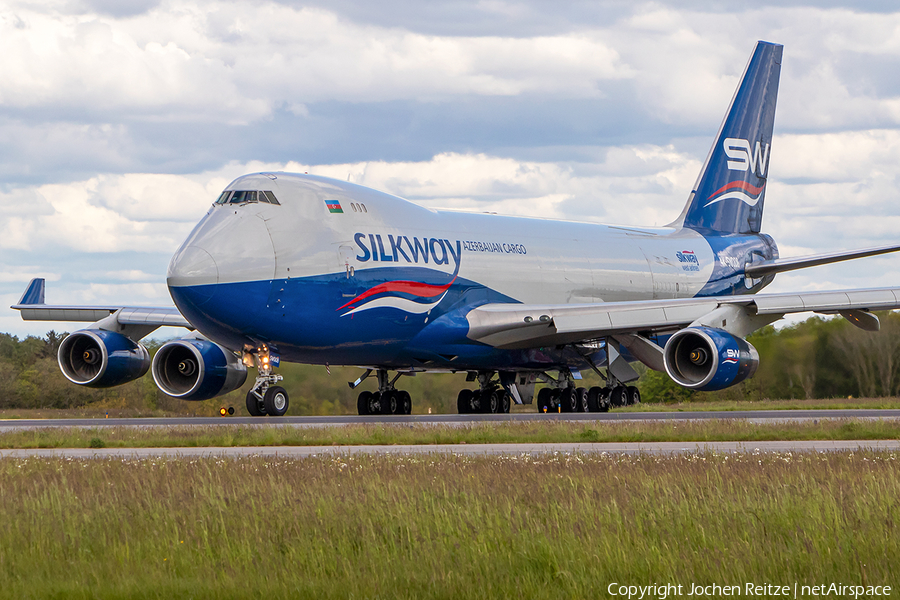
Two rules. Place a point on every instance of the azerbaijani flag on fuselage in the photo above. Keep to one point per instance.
(334, 206)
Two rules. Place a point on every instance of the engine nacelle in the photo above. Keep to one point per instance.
(100, 359)
(703, 358)
(197, 369)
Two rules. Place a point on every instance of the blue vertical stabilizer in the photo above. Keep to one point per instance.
(730, 191)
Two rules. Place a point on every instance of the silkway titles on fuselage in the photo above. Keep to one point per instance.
(374, 247)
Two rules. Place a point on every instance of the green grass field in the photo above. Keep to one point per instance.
(549, 431)
(443, 526)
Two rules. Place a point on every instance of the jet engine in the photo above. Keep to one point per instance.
(100, 359)
(703, 358)
(197, 369)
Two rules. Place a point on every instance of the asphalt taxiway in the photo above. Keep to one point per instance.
(453, 419)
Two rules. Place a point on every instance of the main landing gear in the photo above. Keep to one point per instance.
(387, 400)
(489, 398)
(561, 395)
(265, 398)
(594, 399)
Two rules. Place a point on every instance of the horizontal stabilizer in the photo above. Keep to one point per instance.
(780, 265)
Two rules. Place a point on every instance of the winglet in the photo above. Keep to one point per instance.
(34, 294)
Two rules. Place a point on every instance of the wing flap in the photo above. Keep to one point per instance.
(46, 312)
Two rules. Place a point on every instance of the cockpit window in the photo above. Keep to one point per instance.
(244, 196)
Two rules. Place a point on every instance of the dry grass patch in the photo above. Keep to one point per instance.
(563, 526)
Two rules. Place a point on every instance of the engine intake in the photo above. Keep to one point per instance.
(100, 359)
(704, 358)
(197, 369)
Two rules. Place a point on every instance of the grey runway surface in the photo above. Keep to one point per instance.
(654, 448)
(458, 420)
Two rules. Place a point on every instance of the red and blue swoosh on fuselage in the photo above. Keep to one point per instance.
(411, 297)
(406, 295)
(737, 190)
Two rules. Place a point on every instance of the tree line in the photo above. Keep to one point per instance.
(817, 358)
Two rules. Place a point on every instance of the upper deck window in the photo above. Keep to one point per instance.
(245, 196)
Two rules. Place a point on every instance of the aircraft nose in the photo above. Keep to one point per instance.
(191, 267)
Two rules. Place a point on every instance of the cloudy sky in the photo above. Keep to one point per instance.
(121, 120)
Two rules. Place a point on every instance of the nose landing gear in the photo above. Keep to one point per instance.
(265, 397)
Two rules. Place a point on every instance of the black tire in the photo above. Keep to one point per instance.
(618, 396)
(554, 401)
(545, 400)
(404, 403)
(504, 401)
(276, 401)
(389, 403)
(581, 399)
(362, 403)
(604, 399)
(567, 400)
(594, 397)
(490, 402)
(634, 395)
(375, 403)
(464, 401)
(254, 405)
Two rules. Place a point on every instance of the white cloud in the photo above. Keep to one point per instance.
(237, 63)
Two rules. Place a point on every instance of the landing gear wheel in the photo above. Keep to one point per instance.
(618, 396)
(364, 403)
(504, 401)
(404, 403)
(464, 401)
(544, 400)
(604, 400)
(253, 405)
(594, 397)
(581, 400)
(633, 394)
(275, 401)
(490, 401)
(554, 401)
(389, 403)
(567, 400)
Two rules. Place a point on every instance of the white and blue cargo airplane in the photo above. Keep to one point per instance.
(314, 270)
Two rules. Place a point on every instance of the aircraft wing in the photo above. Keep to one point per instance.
(527, 326)
(132, 318)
